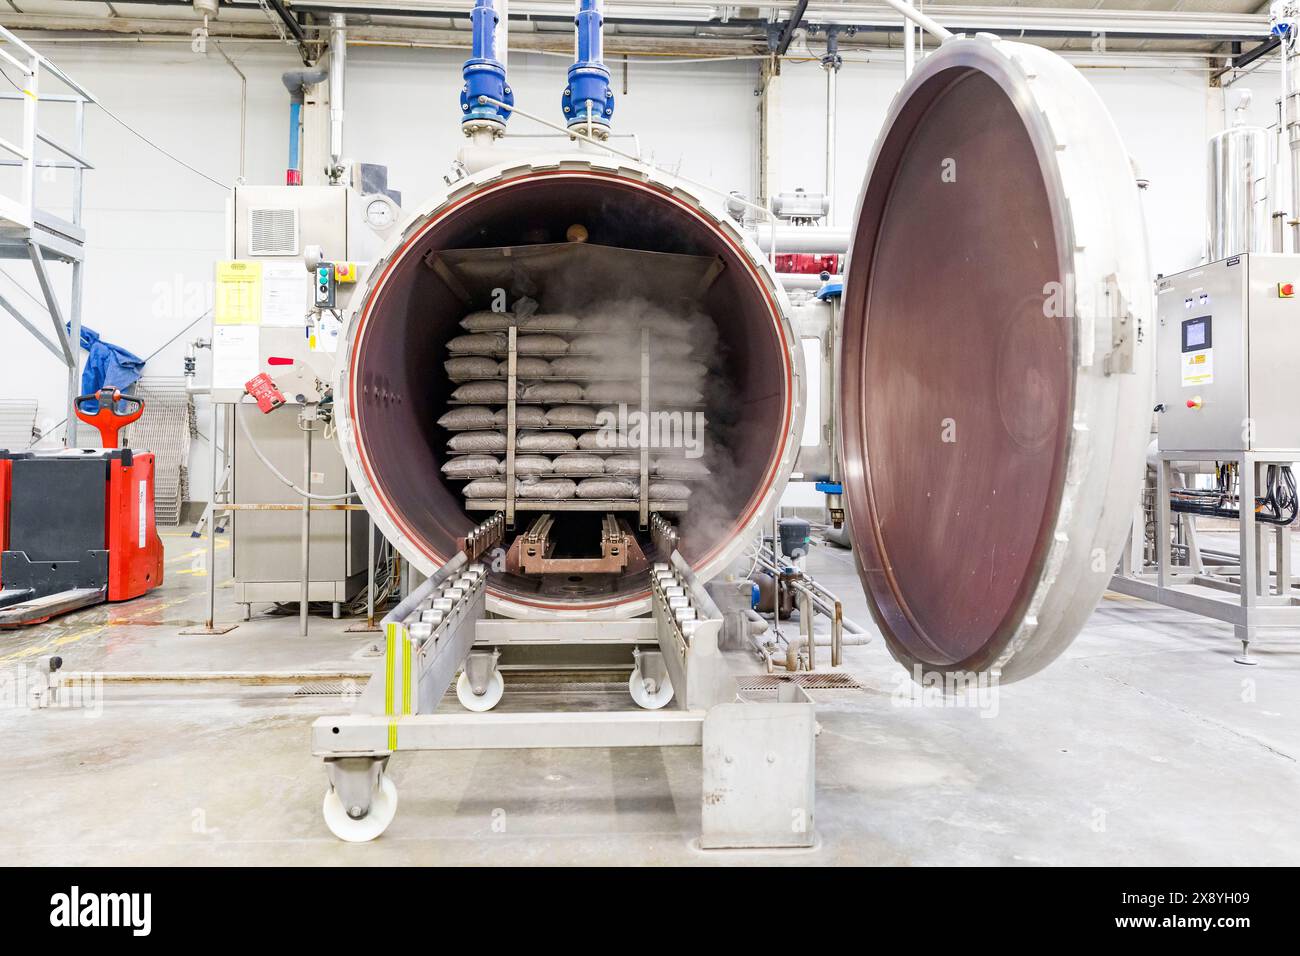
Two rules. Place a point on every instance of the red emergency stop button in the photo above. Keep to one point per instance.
(1194, 402)
(1285, 290)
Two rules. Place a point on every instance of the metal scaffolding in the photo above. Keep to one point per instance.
(33, 233)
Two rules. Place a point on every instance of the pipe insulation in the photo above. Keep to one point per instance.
(803, 239)
(337, 68)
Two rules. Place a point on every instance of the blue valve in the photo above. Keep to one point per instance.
(484, 74)
(588, 99)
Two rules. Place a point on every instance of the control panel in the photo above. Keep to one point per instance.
(294, 259)
(325, 286)
(1228, 347)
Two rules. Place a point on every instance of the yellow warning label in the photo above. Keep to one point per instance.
(238, 299)
(1198, 368)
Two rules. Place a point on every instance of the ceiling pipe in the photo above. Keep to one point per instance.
(831, 63)
(920, 19)
(296, 82)
(418, 30)
(787, 32)
(293, 26)
(337, 68)
(881, 15)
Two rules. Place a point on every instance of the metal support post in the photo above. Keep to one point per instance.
(370, 572)
(831, 63)
(304, 422)
(645, 430)
(512, 383)
(1163, 549)
(74, 338)
(837, 636)
(1248, 558)
(806, 617)
(210, 624)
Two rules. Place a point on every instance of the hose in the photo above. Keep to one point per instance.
(243, 425)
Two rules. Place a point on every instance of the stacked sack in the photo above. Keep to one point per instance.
(568, 371)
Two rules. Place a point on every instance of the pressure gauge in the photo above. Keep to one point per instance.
(379, 213)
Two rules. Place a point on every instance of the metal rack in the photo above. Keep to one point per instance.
(165, 429)
(1256, 599)
(510, 504)
(574, 504)
(17, 422)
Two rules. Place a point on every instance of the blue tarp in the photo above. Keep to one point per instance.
(107, 366)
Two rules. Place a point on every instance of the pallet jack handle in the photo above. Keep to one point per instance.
(106, 418)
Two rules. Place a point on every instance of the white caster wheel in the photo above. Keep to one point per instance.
(383, 807)
(490, 697)
(646, 694)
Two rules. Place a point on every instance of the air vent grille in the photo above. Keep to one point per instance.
(808, 680)
(273, 232)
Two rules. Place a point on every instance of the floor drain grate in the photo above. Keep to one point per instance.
(808, 681)
(328, 688)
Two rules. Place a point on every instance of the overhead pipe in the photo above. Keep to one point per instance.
(831, 63)
(1006, 21)
(909, 47)
(501, 35)
(588, 101)
(293, 26)
(485, 83)
(296, 82)
(338, 64)
(920, 19)
(823, 239)
(243, 105)
(787, 31)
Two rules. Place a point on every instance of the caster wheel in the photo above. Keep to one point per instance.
(646, 695)
(489, 698)
(383, 807)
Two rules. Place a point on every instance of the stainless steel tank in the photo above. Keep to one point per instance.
(1237, 202)
(391, 386)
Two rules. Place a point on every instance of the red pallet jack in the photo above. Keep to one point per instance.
(77, 525)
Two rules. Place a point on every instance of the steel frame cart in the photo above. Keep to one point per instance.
(757, 754)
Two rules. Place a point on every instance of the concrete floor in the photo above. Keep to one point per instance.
(1144, 744)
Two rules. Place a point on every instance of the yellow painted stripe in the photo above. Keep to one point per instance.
(392, 735)
(406, 674)
(38, 649)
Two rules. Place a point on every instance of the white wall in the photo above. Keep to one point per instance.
(155, 228)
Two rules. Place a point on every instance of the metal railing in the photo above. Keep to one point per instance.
(21, 210)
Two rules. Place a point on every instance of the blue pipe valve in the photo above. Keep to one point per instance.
(484, 75)
(588, 98)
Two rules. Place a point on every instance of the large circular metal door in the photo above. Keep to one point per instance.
(996, 360)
